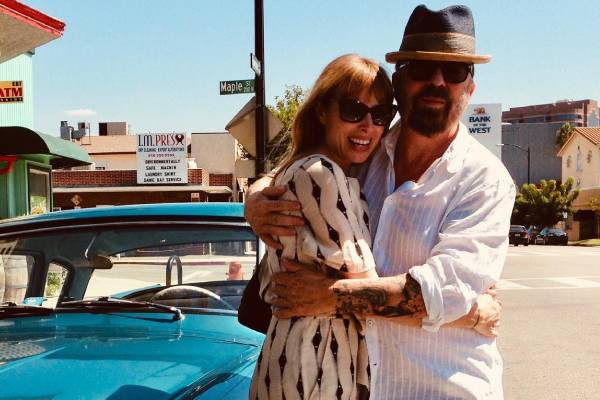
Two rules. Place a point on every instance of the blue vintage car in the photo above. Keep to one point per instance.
(127, 302)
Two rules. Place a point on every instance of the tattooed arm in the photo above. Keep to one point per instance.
(301, 291)
(391, 297)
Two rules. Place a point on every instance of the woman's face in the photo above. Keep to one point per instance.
(349, 143)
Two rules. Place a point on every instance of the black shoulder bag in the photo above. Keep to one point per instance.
(254, 312)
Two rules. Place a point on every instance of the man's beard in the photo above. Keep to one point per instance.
(429, 121)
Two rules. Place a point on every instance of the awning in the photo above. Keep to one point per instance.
(17, 140)
(24, 29)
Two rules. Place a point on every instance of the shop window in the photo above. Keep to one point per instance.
(39, 190)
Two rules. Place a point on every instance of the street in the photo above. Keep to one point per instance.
(550, 332)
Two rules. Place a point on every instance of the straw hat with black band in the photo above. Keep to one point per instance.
(445, 35)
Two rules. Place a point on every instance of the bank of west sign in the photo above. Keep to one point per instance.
(161, 159)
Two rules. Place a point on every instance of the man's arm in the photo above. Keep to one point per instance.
(302, 291)
(266, 213)
(392, 297)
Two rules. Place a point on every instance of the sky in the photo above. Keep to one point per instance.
(158, 64)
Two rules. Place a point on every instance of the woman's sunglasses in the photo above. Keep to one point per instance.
(354, 111)
(453, 72)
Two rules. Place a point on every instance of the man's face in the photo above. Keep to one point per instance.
(429, 97)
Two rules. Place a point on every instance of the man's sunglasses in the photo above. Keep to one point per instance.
(453, 72)
(352, 110)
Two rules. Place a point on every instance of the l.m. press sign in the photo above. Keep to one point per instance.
(11, 91)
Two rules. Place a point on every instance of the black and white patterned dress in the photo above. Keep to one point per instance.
(321, 357)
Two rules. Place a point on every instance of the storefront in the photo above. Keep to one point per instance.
(26, 162)
(27, 157)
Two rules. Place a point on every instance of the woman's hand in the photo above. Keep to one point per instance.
(266, 214)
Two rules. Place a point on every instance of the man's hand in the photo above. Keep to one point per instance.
(302, 291)
(488, 320)
(265, 214)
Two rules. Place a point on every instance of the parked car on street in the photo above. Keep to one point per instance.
(553, 236)
(518, 235)
(127, 302)
(533, 232)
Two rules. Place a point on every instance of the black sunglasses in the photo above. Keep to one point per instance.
(352, 110)
(453, 72)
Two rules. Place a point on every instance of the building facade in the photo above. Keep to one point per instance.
(27, 157)
(112, 178)
(581, 161)
(578, 113)
(543, 161)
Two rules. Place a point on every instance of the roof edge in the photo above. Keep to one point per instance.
(33, 17)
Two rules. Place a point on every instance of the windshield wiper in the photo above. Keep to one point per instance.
(115, 303)
(10, 309)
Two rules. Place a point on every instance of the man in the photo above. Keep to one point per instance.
(440, 207)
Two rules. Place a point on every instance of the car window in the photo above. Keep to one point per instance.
(121, 261)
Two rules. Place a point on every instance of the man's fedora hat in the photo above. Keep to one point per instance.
(445, 35)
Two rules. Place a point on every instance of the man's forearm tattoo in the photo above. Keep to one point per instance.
(385, 297)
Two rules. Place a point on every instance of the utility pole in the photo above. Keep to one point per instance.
(259, 50)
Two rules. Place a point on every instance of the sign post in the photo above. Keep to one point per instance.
(259, 49)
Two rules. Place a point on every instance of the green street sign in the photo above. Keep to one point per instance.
(237, 87)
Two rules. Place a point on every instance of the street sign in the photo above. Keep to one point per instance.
(255, 64)
(242, 127)
(237, 87)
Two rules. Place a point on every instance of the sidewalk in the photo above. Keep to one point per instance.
(586, 243)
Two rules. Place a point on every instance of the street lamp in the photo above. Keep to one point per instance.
(528, 151)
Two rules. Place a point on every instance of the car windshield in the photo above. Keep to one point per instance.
(128, 262)
(517, 228)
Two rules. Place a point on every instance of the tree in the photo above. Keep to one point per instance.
(543, 205)
(563, 134)
(285, 108)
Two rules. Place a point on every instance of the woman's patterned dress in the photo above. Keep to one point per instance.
(321, 357)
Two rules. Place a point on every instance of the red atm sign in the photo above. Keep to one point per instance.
(11, 91)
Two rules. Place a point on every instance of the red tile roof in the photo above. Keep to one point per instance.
(592, 134)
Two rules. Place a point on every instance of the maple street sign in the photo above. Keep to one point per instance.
(237, 87)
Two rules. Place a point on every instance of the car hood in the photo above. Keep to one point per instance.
(124, 356)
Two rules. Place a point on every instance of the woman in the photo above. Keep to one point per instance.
(340, 124)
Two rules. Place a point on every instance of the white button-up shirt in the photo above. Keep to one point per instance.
(449, 230)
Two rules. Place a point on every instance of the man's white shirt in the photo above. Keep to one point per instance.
(449, 230)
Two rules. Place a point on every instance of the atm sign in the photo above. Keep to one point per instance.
(11, 91)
